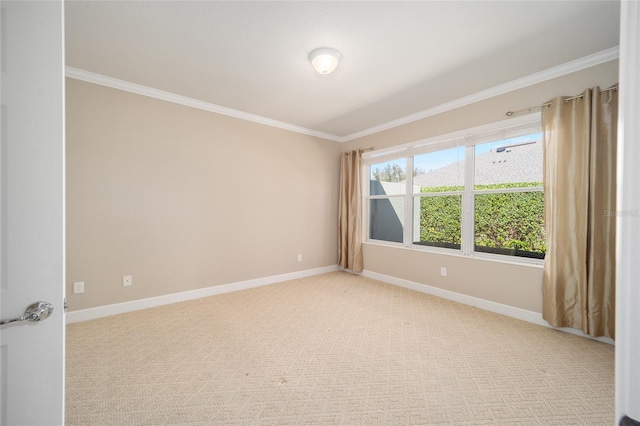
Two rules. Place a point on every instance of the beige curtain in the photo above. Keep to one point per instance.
(580, 199)
(350, 213)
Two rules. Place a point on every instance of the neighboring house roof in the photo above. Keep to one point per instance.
(511, 163)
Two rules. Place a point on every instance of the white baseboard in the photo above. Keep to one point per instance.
(152, 302)
(487, 305)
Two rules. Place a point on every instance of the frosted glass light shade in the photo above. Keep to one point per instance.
(324, 59)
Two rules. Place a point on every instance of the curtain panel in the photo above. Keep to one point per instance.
(580, 138)
(350, 213)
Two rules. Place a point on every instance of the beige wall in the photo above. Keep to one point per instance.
(183, 199)
(518, 286)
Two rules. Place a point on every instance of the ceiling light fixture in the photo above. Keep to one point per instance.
(324, 59)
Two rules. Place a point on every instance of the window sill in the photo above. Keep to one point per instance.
(533, 263)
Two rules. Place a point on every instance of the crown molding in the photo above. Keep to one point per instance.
(139, 89)
(539, 77)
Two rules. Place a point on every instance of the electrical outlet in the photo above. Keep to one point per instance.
(299, 258)
(78, 287)
(127, 281)
(443, 271)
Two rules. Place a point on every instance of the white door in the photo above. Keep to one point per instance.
(628, 232)
(32, 210)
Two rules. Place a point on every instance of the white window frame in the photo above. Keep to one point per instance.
(513, 127)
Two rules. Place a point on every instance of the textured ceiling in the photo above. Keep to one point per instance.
(398, 58)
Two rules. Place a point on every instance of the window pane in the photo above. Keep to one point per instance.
(509, 163)
(437, 221)
(439, 171)
(510, 223)
(388, 178)
(386, 219)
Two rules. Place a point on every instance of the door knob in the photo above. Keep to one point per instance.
(38, 311)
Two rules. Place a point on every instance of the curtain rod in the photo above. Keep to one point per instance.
(362, 150)
(548, 104)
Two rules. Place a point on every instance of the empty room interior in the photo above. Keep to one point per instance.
(341, 212)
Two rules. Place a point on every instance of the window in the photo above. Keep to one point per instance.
(387, 186)
(508, 197)
(476, 194)
(438, 187)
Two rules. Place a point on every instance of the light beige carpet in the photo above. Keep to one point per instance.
(332, 349)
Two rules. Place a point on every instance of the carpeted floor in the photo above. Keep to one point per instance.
(332, 349)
